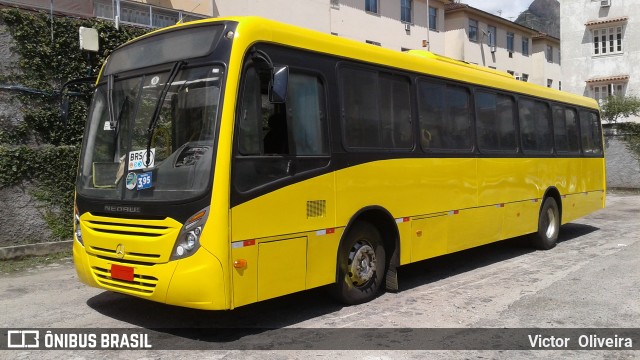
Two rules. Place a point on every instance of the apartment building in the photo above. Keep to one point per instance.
(395, 24)
(601, 47)
(546, 61)
(478, 37)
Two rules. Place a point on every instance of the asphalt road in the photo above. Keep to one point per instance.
(590, 280)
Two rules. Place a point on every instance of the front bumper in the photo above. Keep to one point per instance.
(195, 282)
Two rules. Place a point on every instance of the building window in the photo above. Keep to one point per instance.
(559, 85)
(142, 14)
(433, 18)
(525, 77)
(371, 6)
(602, 91)
(473, 30)
(510, 37)
(549, 83)
(607, 40)
(405, 10)
(549, 53)
(525, 46)
(373, 42)
(492, 35)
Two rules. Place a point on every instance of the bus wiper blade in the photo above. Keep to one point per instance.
(125, 104)
(110, 109)
(156, 112)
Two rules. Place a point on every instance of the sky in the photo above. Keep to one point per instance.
(510, 8)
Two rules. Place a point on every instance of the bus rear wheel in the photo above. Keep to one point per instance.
(548, 225)
(361, 265)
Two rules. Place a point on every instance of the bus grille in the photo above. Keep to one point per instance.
(145, 242)
(141, 284)
(140, 230)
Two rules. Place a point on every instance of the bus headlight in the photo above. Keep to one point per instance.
(76, 227)
(188, 240)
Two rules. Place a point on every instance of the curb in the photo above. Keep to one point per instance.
(12, 252)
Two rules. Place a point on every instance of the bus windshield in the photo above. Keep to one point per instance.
(157, 144)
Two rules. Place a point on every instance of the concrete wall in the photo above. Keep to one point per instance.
(623, 166)
(312, 14)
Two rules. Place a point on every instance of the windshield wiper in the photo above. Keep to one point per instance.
(125, 104)
(110, 109)
(156, 112)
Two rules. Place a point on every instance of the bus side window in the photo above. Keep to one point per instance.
(591, 135)
(276, 141)
(376, 110)
(495, 122)
(445, 117)
(565, 127)
(535, 129)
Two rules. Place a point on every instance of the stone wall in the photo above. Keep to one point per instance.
(21, 221)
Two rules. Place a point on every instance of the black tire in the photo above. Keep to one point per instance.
(356, 285)
(548, 226)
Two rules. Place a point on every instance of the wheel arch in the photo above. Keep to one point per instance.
(554, 193)
(385, 223)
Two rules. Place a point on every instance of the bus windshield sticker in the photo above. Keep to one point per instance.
(144, 181)
(131, 180)
(138, 158)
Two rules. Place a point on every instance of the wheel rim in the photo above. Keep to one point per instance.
(551, 220)
(362, 263)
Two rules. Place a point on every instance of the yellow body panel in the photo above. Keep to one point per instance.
(429, 236)
(282, 267)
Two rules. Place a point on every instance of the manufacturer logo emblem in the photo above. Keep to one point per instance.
(120, 251)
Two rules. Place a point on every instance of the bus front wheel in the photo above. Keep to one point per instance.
(548, 225)
(361, 265)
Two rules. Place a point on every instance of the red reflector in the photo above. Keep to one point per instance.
(405, 219)
(248, 243)
(331, 231)
(121, 272)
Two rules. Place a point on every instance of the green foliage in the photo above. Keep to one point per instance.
(620, 107)
(43, 150)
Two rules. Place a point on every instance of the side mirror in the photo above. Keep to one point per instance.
(279, 84)
(65, 95)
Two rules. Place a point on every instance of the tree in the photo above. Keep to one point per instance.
(619, 107)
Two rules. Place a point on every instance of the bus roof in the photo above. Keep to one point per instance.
(255, 29)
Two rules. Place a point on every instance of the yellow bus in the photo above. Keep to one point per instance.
(228, 161)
